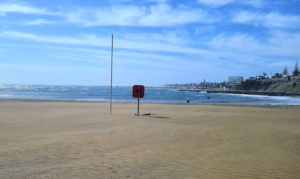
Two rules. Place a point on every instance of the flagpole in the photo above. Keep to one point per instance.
(111, 70)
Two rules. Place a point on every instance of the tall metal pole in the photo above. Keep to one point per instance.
(111, 70)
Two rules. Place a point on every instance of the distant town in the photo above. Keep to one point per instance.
(279, 84)
(205, 85)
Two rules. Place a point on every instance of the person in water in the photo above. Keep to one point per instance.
(188, 100)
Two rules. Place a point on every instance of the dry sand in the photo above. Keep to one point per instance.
(80, 140)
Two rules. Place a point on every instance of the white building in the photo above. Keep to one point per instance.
(235, 79)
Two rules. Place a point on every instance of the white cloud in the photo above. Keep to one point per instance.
(215, 3)
(137, 44)
(218, 3)
(285, 43)
(123, 57)
(156, 15)
(279, 44)
(39, 38)
(165, 15)
(233, 42)
(23, 9)
(114, 15)
(39, 22)
(241, 48)
(270, 20)
(35, 67)
(172, 37)
(247, 17)
(279, 20)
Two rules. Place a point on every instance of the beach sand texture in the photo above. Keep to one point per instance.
(81, 140)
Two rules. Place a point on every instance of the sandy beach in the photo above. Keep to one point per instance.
(81, 140)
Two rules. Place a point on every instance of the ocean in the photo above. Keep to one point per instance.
(152, 95)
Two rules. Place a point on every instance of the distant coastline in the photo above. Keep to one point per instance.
(267, 93)
(277, 85)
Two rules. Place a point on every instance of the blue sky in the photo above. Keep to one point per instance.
(156, 41)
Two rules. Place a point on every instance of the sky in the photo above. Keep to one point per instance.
(156, 42)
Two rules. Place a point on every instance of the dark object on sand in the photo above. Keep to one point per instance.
(188, 100)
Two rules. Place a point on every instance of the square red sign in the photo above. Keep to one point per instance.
(138, 91)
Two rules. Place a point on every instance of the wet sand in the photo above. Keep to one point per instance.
(81, 140)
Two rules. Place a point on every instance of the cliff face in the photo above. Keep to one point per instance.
(254, 85)
(287, 87)
(282, 85)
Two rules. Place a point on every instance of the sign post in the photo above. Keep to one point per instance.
(138, 107)
(111, 71)
(138, 91)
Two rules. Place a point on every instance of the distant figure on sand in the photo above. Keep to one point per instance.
(188, 99)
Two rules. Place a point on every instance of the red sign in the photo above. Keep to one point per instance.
(138, 91)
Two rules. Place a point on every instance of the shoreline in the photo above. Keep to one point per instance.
(134, 102)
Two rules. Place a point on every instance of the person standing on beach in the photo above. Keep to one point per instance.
(188, 99)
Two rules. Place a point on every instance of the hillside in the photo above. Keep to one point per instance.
(287, 87)
(280, 85)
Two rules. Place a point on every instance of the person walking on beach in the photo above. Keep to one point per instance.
(188, 100)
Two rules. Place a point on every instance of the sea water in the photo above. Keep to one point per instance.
(155, 95)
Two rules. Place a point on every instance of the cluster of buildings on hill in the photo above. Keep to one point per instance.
(232, 81)
(276, 77)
